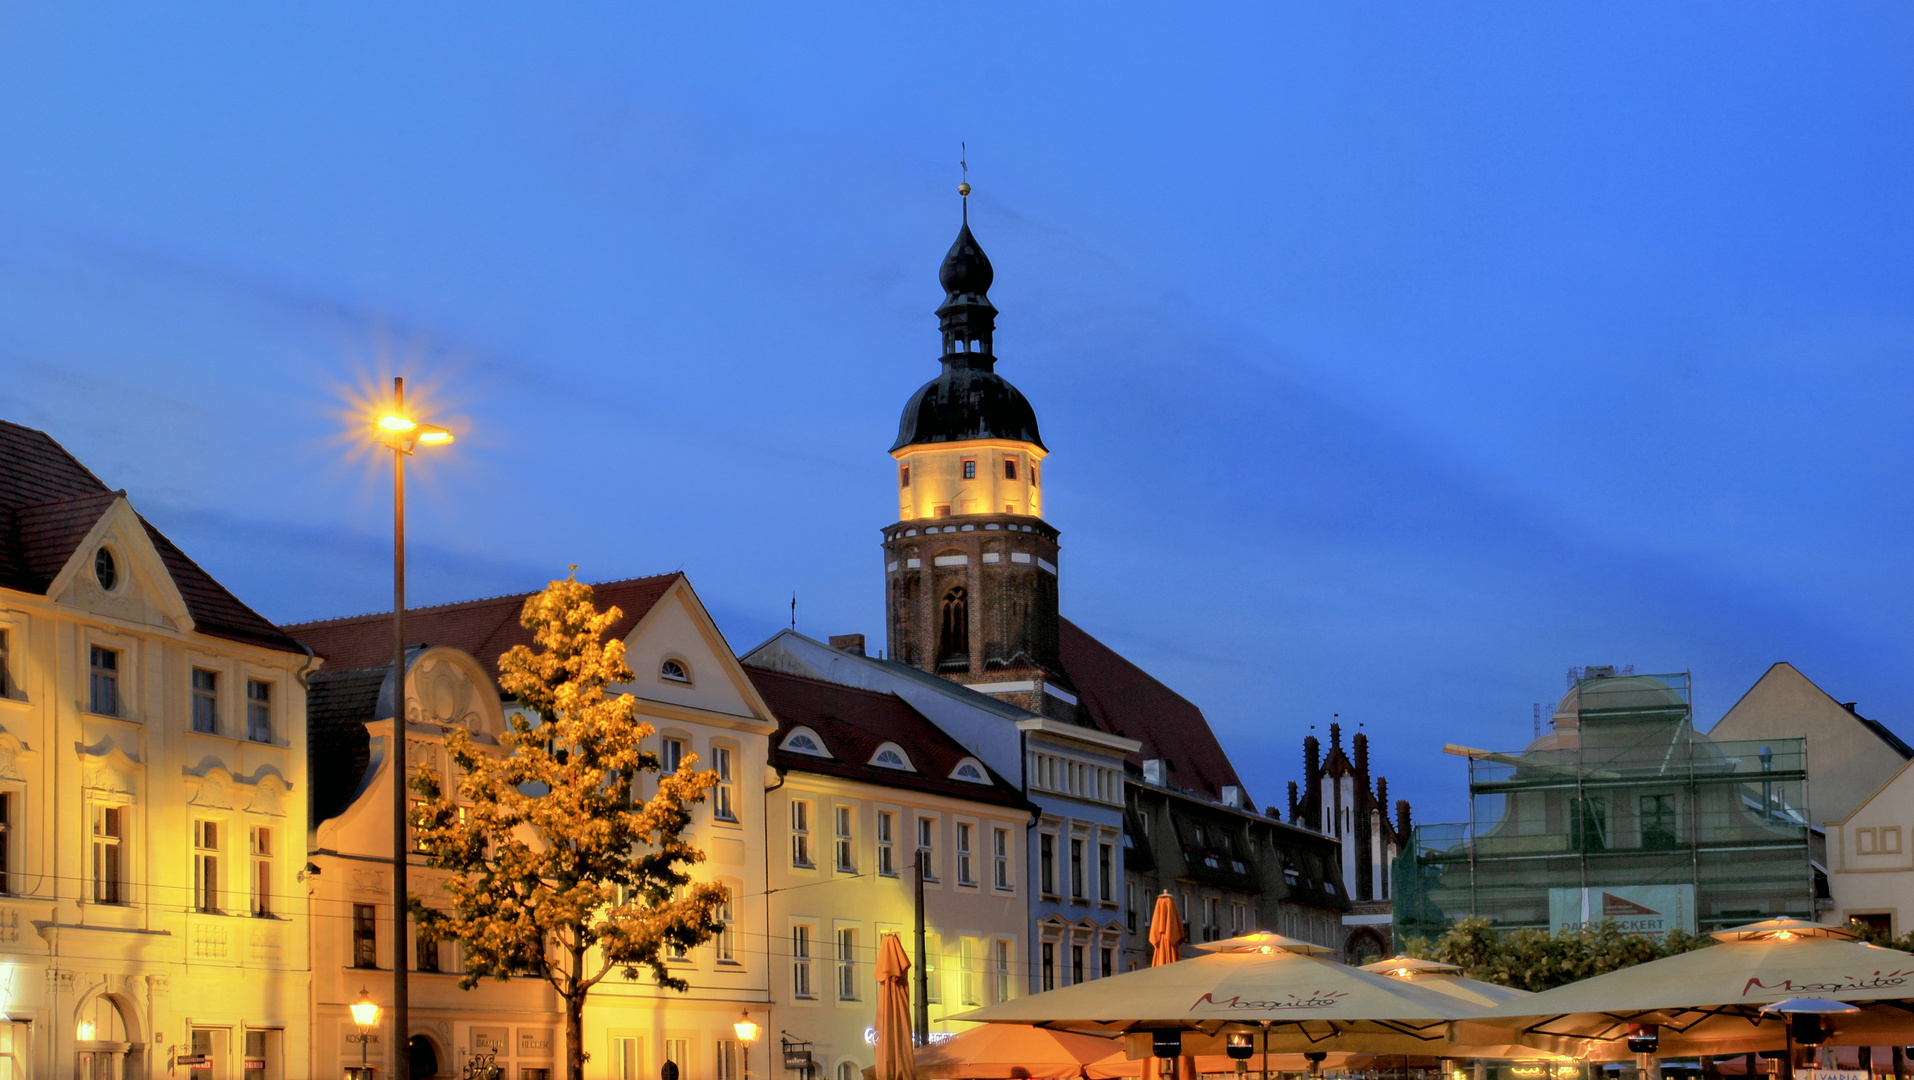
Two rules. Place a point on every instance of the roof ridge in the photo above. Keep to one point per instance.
(341, 620)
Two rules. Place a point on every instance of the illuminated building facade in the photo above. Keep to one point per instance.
(152, 802)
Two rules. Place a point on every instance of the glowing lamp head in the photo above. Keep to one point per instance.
(365, 1011)
(746, 1029)
(1241, 1045)
(85, 1031)
(433, 436)
(395, 423)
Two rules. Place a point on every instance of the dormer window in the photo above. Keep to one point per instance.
(805, 741)
(971, 771)
(674, 671)
(891, 756)
(105, 570)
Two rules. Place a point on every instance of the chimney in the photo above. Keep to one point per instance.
(1312, 762)
(1156, 771)
(1292, 803)
(1402, 822)
(1361, 746)
(850, 643)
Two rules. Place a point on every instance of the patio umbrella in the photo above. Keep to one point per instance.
(1448, 979)
(1263, 940)
(1010, 1052)
(1710, 1001)
(1295, 1002)
(893, 1011)
(1166, 933)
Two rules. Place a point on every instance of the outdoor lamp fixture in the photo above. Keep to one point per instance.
(1240, 1048)
(1315, 1059)
(1807, 1025)
(404, 434)
(746, 1029)
(1644, 1038)
(365, 1013)
(85, 1031)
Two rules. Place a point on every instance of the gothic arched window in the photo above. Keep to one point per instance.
(953, 640)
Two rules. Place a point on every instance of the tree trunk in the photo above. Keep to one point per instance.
(575, 1020)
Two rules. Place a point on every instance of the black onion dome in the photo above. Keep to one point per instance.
(966, 268)
(969, 400)
(967, 403)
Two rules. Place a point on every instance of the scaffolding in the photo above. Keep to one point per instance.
(1622, 811)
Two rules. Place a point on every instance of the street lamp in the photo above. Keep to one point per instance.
(746, 1030)
(403, 434)
(365, 1013)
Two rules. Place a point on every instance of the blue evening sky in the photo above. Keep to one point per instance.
(1394, 358)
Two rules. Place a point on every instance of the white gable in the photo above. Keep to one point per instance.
(142, 591)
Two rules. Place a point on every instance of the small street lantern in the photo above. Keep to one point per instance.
(746, 1030)
(365, 1013)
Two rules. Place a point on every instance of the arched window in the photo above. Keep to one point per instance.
(674, 670)
(805, 741)
(971, 771)
(891, 756)
(953, 640)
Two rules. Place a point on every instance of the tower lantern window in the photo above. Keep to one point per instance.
(970, 468)
(903, 476)
(1010, 468)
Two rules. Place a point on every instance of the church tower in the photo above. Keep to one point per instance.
(970, 564)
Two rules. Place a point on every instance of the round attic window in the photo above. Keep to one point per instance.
(105, 570)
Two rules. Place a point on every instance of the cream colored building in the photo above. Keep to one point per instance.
(1849, 755)
(689, 687)
(152, 797)
(862, 782)
(1872, 855)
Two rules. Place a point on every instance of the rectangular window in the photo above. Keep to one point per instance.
(933, 979)
(728, 1059)
(1212, 920)
(365, 936)
(205, 701)
(673, 950)
(257, 1044)
(1049, 965)
(206, 865)
(845, 862)
(722, 807)
(673, 756)
(972, 985)
(426, 944)
(1076, 868)
(1104, 959)
(1106, 857)
(624, 1059)
(886, 846)
(847, 964)
(1129, 907)
(926, 833)
(964, 876)
(1036, 474)
(262, 871)
(1076, 964)
(1658, 822)
(105, 684)
(725, 941)
(1047, 863)
(1010, 468)
(800, 833)
(678, 1052)
(109, 868)
(801, 961)
(258, 710)
(1003, 970)
(1000, 852)
(903, 476)
(970, 468)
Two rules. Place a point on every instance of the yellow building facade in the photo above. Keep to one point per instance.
(690, 689)
(152, 799)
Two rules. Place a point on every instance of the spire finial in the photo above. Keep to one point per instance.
(963, 188)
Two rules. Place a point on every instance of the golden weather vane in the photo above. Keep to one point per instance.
(963, 153)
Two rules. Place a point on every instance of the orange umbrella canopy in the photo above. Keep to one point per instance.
(1012, 1051)
(893, 1011)
(1166, 931)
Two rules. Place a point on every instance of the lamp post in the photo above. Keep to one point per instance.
(365, 1013)
(746, 1030)
(403, 434)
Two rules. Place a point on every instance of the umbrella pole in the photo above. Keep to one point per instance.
(1900, 1059)
(1897, 1055)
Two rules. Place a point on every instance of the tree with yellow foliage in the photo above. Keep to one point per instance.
(559, 867)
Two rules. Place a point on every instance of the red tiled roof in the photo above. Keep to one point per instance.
(484, 628)
(854, 722)
(1123, 699)
(49, 502)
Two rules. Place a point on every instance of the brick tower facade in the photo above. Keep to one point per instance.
(970, 566)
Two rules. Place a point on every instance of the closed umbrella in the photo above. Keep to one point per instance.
(1710, 1001)
(1166, 934)
(893, 1011)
